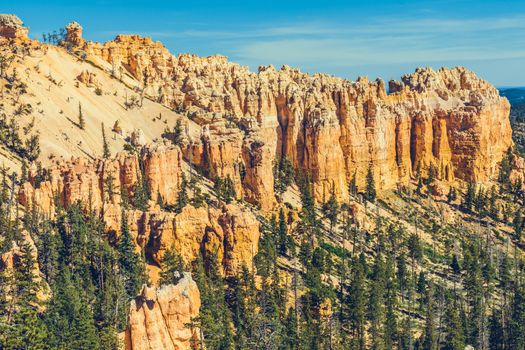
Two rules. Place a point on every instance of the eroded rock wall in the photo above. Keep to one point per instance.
(333, 128)
(230, 232)
(160, 318)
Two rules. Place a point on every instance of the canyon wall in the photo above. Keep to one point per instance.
(332, 128)
(230, 232)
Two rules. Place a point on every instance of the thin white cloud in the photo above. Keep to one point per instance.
(337, 47)
(387, 41)
(377, 26)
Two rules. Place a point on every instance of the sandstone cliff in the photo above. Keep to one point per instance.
(229, 231)
(239, 123)
(160, 318)
(333, 128)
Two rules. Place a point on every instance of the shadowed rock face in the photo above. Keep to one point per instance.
(11, 27)
(159, 317)
(330, 127)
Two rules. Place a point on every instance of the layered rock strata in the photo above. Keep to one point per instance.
(332, 128)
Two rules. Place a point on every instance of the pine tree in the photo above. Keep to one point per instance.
(480, 201)
(390, 328)
(69, 316)
(432, 174)
(172, 266)
(470, 195)
(26, 288)
(283, 233)
(23, 172)
(83, 331)
(352, 186)
(81, 120)
(376, 300)
(225, 189)
(370, 193)
(31, 149)
(214, 316)
(517, 320)
(452, 195)
(331, 209)
(290, 331)
(493, 207)
(109, 339)
(182, 198)
(456, 267)
(105, 147)
(506, 166)
(24, 328)
(129, 261)
(497, 334)
(309, 216)
(430, 338)
(357, 302)
(475, 294)
(422, 287)
(517, 223)
(419, 178)
(48, 255)
(455, 338)
(283, 172)
(414, 247)
(177, 133)
(229, 189)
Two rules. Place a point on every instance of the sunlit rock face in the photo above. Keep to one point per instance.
(332, 128)
(159, 318)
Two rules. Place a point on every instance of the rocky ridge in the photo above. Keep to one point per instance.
(333, 128)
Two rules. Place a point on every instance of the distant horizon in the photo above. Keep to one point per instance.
(345, 39)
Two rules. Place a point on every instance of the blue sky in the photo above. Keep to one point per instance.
(346, 38)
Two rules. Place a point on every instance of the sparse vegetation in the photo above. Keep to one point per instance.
(381, 270)
(81, 120)
(54, 37)
(105, 146)
(175, 135)
(283, 173)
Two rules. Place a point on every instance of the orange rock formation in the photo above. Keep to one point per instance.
(11, 27)
(333, 128)
(159, 317)
(229, 232)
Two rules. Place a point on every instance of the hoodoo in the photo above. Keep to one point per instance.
(11, 27)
